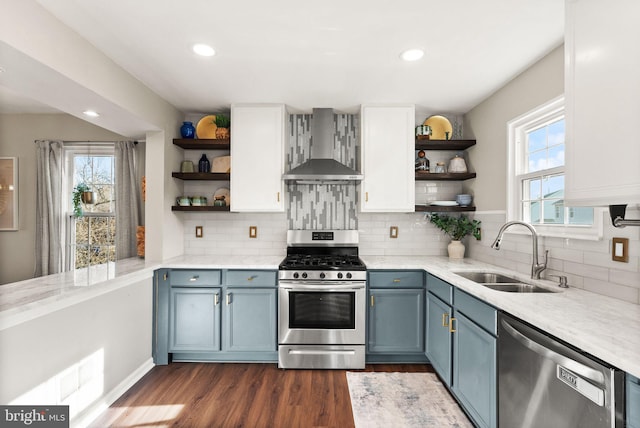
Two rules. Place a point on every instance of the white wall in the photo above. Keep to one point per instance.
(587, 264)
(17, 135)
(82, 355)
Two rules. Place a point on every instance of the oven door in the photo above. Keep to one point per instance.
(320, 313)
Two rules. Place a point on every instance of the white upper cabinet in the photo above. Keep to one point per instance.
(602, 89)
(388, 152)
(258, 134)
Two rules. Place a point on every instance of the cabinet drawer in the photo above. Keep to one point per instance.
(633, 402)
(396, 279)
(253, 278)
(194, 278)
(440, 288)
(479, 312)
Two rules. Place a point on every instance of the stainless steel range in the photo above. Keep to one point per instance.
(322, 301)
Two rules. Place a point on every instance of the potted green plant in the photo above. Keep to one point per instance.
(81, 193)
(222, 123)
(456, 227)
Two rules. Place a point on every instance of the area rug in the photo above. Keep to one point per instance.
(381, 399)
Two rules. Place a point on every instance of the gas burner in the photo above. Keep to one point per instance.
(322, 262)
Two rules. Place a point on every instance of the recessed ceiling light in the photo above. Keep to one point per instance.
(412, 54)
(203, 50)
(91, 113)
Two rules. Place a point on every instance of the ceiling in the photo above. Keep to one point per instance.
(333, 53)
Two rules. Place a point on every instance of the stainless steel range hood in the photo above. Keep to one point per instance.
(321, 168)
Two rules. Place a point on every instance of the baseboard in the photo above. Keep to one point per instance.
(92, 412)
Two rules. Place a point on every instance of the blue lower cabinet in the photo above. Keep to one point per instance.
(396, 321)
(633, 402)
(250, 316)
(438, 337)
(194, 319)
(474, 370)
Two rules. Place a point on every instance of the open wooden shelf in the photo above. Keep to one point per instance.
(447, 176)
(199, 208)
(437, 209)
(211, 176)
(444, 144)
(203, 144)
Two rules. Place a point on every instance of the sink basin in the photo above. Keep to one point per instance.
(486, 277)
(500, 282)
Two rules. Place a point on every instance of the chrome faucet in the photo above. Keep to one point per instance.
(536, 268)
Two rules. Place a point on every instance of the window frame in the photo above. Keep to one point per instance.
(516, 159)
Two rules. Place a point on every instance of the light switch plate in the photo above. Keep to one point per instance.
(393, 232)
(198, 231)
(253, 231)
(620, 250)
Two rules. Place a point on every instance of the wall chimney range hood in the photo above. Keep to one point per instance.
(321, 168)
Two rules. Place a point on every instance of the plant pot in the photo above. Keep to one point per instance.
(87, 197)
(222, 133)
(456, 250)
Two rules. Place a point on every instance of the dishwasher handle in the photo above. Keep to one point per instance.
(578, 368)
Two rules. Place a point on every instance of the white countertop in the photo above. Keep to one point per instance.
(602, 326)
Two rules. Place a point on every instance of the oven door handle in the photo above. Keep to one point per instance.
(323, 286)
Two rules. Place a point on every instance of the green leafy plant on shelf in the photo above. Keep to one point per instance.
(78, 191)
(222, 122)
(456, 227)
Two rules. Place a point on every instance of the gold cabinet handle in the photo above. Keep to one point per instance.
(373, 300)
(216, 299)
(278, 196)
(164, 277)
(451, 329)
(252, 277)
(445, 320)
(396, 280)
(228, 298)
(194, 278)
(366, 196)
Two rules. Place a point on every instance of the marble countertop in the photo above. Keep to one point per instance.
(602, 326)
(599, 325)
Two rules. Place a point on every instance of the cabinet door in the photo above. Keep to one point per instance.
(250, 319)
(257, 157)
(160, 338)
(388, 157)
(602, 80)
(474, 370)
(438, 337)
(633, 402)
(396, 320)
(194, 319)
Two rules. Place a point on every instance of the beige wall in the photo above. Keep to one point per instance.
(17, 135)
(487, 123)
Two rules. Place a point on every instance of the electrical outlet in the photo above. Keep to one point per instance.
(620, 250)
(198, 231)
(253, 231)
(393, 232)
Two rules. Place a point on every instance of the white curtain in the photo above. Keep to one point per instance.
(127, 200)
(49, 211)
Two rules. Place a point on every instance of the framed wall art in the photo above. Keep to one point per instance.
(8, 193)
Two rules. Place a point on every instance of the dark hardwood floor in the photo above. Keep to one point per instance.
(238, 395)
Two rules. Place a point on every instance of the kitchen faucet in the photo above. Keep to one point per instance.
(536, 268)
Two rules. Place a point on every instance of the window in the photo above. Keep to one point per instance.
(91, 237)
(537, 176)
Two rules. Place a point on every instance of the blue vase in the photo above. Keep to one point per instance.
(187, 130)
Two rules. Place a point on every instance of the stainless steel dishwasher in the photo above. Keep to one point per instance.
(545, 383)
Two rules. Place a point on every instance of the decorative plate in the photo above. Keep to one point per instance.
(443, 203)
(440, 125)
(223, 191)
(206, 127)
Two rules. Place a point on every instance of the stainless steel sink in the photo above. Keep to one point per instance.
(500, 282)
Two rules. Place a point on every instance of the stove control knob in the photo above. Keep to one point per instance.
(340, 275)
(296, 275)
(349, 275)
(304, 274)
(322, 275)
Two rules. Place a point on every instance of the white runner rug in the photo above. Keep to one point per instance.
(381, 399)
